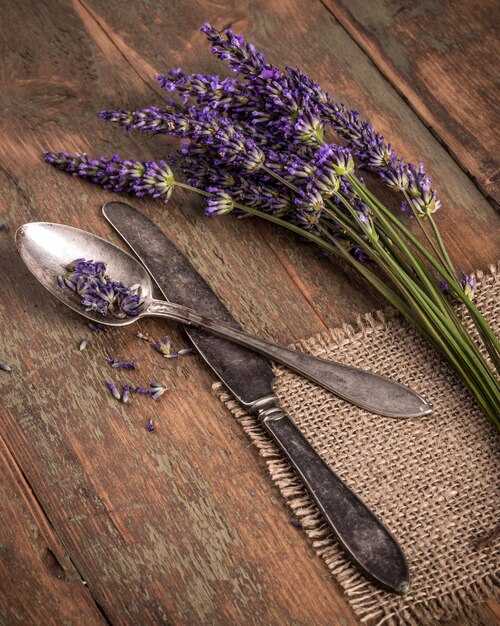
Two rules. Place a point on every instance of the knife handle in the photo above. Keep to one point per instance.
(364, 538)
(367, 390)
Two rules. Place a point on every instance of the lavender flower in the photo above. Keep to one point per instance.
(256, 143)
(100, 294)
(142, 390)
(97, 327)
(221, 204)
(114, 391)
(468, 285)
(126, 393)
(163, 346)
(135, 177)
(127, 365)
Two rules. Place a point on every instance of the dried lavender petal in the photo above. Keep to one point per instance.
(126, 393)
(98, 292)
(114, 391)
(295, 522)
(185, 351)
(142, 390)
(153, 383)
(84, 342)
(150, 426)
(5, 367)
(143, 337)
(128, 365)
(174, 355)
(158, 392)
(163, 345)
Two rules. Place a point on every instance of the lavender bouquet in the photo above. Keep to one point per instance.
(256, 144)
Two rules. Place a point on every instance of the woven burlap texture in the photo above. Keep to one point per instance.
(432, 481)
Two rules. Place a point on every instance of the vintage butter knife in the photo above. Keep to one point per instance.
(250, 378)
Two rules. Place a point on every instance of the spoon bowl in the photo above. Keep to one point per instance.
(47, 248)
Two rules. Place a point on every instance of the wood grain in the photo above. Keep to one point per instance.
(179, 526)
(40, 584)
(443, 57)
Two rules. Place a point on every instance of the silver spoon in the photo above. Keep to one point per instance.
(47, 248)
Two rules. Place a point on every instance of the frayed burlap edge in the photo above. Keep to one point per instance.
(463, 600)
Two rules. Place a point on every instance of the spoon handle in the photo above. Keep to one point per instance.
(367, 390)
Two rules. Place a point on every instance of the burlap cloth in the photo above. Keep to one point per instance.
(433, 481)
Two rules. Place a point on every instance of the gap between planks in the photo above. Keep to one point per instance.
(341, 16)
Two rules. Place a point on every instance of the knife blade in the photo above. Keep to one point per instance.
(250, 379)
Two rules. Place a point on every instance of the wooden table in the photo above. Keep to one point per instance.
(102, 522)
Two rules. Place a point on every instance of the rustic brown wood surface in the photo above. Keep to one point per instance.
(443, 57)
(101, 521)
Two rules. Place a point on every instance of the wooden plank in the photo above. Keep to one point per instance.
(40, 584)
(180, 525)
(443, 57)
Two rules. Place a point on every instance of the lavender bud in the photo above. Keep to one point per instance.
(60, 282)
(114, 391)
(128, 365)
(5, 367)
(158, 392)
(143, 337)
(150, 426)
(142, 390)
(185, 351)
(84, 342)
(126, 393)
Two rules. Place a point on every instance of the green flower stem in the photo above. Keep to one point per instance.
(280, 178)
(441, 245)
(476, 356)
(450, 322)
(431, 243)
(492, 343)
(421, 321)
(419, 307)
(392, 233)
